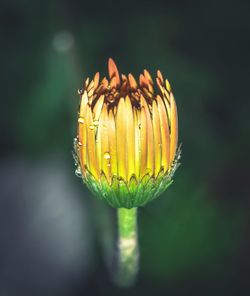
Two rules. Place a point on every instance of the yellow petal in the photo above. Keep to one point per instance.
(157, 138)
(137, 129)
(91, 147)
(112, 143)
(86, 83)
(121, 120)
(168, 86)
(98, 147)
(173, 127)
(130, 139)
(167, 106)
(164, 133)
(82, 136)
(102, 129)
(83, 104)
(143, 142)
(90, 95)
(91, 85)
(149, 137)
(98, 108)
(82, 145)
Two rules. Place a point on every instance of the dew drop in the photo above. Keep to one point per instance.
(78, 172)
(139, 125)
(80, 143)
(91, 127)
(80, 91)
(108, 164)
(96, 122)
(106, 155)
(81, 120)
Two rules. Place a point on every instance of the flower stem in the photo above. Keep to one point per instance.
(128, 253)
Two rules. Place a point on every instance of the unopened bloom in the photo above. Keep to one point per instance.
(126, 144)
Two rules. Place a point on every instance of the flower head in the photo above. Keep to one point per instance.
(126, 145)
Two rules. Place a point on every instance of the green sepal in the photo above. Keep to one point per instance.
(120, 194)
(136, 193)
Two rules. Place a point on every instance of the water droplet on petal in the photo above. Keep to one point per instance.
(108, 164)
(96, 122)
(139, 125)
(80, 91)
(106, 155)
(91, 127)
(81, 120)
(78, 172)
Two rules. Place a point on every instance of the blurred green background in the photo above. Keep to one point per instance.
(194, 240)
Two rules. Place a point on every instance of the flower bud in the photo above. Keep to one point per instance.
(126, 144)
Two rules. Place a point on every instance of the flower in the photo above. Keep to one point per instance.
(126, 144)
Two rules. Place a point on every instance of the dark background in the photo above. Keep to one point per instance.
(195, 239)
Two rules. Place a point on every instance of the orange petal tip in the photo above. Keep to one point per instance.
(113, 71)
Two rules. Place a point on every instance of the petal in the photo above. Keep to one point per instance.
(149, 137)
(159, 75)
(130, 139)
(132, 81)
(157, 138)
(98, 108)
(82, 145)
(113, 72)
(83, 104)
(143, 142)
(104, 140)
(137, 128)
(165, 138)
(82, 136)
(168, 86)
(112, 143)
(91, 85)
(121, 121)
(148, 76)
(91, 146)
(96, 79)
(173, 127)
(142, 80)
(86, 83)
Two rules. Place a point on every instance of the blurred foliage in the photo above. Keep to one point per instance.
(187, 232)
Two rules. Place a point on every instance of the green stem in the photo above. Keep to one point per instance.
(128, 253)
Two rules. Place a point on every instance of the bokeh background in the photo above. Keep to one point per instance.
(195, 239)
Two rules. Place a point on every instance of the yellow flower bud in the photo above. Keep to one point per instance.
(126, 145)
